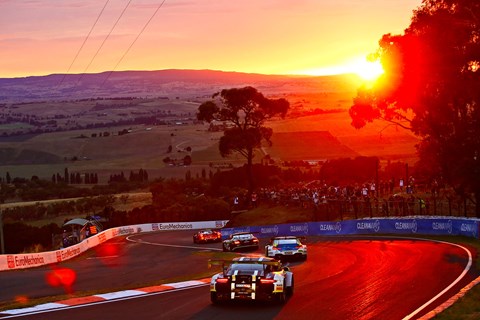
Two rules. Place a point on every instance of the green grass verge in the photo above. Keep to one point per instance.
(467, 307)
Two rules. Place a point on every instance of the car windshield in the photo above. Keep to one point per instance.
(243, 268)
(243, 236)
(285, 242)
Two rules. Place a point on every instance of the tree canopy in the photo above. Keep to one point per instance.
(245, 111)
(431, 86)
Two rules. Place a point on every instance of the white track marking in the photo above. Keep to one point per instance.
(460, 277)
(172, 245)
(52, 307)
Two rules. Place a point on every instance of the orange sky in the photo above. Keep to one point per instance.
(259, 36)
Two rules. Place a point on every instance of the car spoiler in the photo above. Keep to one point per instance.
(223, 262)
(303, 239)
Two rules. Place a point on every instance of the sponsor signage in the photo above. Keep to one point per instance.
(21, 261)
(25, 261)
(426, 226)
(269, 231)
(11, 262)
(175, 226)
(329, 228)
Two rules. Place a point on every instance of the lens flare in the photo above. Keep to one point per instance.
(62, 277)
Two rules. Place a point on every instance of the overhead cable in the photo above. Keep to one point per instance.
(83, 44)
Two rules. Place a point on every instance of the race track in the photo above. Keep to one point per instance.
(342, 279)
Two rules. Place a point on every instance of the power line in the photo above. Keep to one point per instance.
(104, 40)
(83, 44)
(133, 42)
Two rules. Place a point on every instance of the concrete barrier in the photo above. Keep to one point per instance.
(31, 260)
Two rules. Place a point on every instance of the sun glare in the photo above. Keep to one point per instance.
(367, 70)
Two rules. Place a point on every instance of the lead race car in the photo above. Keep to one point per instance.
(251, 278)
(207, 235)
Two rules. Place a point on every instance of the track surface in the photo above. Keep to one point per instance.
(342, 279)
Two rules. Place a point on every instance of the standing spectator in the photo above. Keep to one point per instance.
(235, 203)
(254, 200)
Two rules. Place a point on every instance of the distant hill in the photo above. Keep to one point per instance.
(180, 84)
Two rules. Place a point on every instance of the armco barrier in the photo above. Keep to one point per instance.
(396, 226)
(30, 260)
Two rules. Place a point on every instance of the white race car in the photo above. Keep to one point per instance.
(286, 247)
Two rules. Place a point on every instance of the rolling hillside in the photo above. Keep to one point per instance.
(64, 126)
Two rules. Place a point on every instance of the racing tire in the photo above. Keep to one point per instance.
(266, 253)
(214, 298)
(194, 240)
(224, 248)
(282, 297)
(290, 288)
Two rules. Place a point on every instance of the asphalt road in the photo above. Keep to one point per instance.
(342, 279)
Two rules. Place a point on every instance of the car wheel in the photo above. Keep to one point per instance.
(194, 240)
(290, 288)
(214, 298)
(266, 253)
(282, 297)
(224, 247)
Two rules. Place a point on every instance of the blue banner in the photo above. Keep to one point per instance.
(413, 226)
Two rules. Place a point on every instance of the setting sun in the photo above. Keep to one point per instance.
(361, 66)
(368, 70)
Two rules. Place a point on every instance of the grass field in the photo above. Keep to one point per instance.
(300, 139)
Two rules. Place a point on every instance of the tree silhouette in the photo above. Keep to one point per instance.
(246, 110)
(431, 87)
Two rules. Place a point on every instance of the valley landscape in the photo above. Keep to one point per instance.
(130, 124)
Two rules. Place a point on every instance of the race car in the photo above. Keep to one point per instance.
(251, 278)
(207, 235)
(286, 247)
(240, 240)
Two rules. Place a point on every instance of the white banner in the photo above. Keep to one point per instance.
(31, 260)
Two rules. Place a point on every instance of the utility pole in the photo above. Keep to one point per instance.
(1, 233)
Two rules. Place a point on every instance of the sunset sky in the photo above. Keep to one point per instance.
(258, 36)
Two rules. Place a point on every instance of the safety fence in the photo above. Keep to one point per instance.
(333, 209)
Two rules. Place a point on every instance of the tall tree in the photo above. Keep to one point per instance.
(431, 86)
(246, 110)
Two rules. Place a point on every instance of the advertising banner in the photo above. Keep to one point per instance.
(22, 261)
(413, 226)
